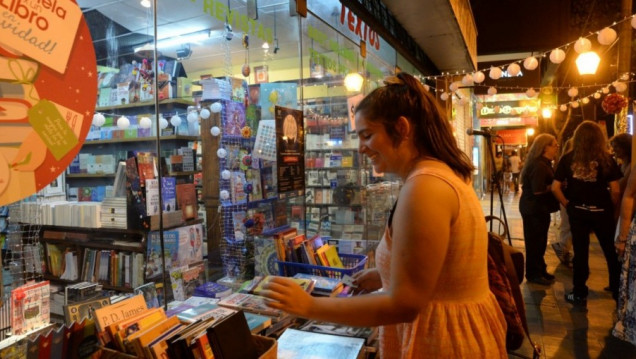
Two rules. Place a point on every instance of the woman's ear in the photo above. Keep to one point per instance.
(403, 127)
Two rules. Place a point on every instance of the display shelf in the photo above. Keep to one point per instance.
(331, 168)
(332, 149)
(89, 175)
(55, 279)
(185, 173)
(163, 103)
(332, 205)
(143, 139)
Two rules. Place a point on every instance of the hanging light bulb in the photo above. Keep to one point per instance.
(573, 92)
(146, 3)
(215, 131)
(353, 82)
(145, 122)
(597, 95)
(192, 117)
(123, 122)
(563, 108)
(585, 100)
(557, 56)
(530, 63)
(99, 120)
(492, 91)
(479, 77)
(495, 73)
(531, 93)
(444, 96)
(163, 123)
(205, 114)
(216, 107)
(606, 36)
(582, 45)
(546, 112)
(574, 104)
(587, 63)
(513, 69)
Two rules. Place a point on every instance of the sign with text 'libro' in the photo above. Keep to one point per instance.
(44, 30)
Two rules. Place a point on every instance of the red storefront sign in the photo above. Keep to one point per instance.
(515, 136)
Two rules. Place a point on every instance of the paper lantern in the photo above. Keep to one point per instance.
(221, 152)
(563, 108)
(145, 122)
(453, 86)
(582, 45)
(605, 90)
(216, 107)
(530, 63)
(585, 100)
(606, 36)
(531, 92)
(479, 77)
(427, 87)
(225, 174)
(192, 117)
(215, 131)
(620, 86)
(574, 104)
(123, 122)
(492, 91)
(573, 92)
(495, 73)
(98, 120)
(245, 70)
(597, 95)
(513, 69)
(633, 22)
(467, 80)
(205, 114)
(557, 56)
(444, 96)
(175, 121)
(163, 123)
(225, 195)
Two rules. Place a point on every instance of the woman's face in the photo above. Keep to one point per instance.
(551, 150)
(376, 144)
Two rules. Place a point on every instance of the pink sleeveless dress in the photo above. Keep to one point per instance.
(463, 319)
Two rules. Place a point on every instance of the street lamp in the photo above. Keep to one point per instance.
(587, 63)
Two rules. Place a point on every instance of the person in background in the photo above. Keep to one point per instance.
(591, 200)
(622, 147)
(515, 168)
(563, 245)
(536, 204)
(431, 296)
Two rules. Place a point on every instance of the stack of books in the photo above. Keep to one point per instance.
(113, 213)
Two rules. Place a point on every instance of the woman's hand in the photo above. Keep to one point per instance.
(287, 295)
(620, 248)
(367, 281)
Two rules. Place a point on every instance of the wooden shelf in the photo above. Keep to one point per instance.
(53, 278)
(89, 175)
(333, 149)
(185, 173)
(166, 102)
(143, 139)
(331, 168)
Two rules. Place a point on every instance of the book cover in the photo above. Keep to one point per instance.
(30, 307)
(212, 290)
(233, 119)
(238, 219)
(158, 348)
(253, 176)
(250, 303)
(125, 309)
(329, 256)
(306, 283)
(231, 338)
(187, 200)
(237, 183)
(149, 291)
(318, 326)
(146, 166)
(154, 263)
(265, 256)
(323, 285)
(152, 197)
(168, 193)
(190, 240)
(296, 343)
(136, 200)
(77, 312)
(140, 339)
(257, 322)
(204, 312)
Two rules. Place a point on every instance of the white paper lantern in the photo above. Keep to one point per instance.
(633, 22)
(573, 92)
(585, 100)
(163, 123)
(216, 107)
(479, 77)
(597, 95)
(574, 104)
(175, 121)
(606, 36)
(192, 117)
(427, 87)
(530, 63)
(145, 122)
(492, 91)
(495, 73)
(557, 56)
(215, 131)
(563, 108)
(582, 45)
(99, 120)
(221, 152)
(225, 195)
(531, 93)
(453, 86)
(444, 96)
(605, 90)
(205, 114)
(620, 86)
(225, 174)
(467, 80)
(513, 69)
(123, 122)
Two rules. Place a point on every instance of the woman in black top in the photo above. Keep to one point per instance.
(589, 171)
(536, 204)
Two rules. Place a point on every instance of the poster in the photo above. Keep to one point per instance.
(48, 91)
(290, 152)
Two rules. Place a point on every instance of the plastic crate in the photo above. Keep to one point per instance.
(353, 263)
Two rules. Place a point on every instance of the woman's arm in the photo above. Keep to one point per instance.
(421, 231)
(626, 212)
(558, 193)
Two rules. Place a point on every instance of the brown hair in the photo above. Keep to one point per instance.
(405, 96)
(589, 145)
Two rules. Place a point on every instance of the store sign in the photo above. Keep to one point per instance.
(42, 30)
(515, 136)
(290, 152)
(48, 91)
(509, 122)
(359, 27)
(501, 109)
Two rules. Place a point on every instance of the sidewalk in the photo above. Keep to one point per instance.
(564, 331)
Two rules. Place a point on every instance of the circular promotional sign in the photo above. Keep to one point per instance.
(48, 91)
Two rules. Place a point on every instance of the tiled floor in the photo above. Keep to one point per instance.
(564, 331)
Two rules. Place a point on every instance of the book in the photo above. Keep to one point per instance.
(306, 283)
(30, 307)
(142, 338)
(203, 312)
(152, 197)
(233, 119)
(187, 200)
(168, 194)
(129, 326)
(212, 290)
(257, 322)
(136, 199)
(185, 279)
(146, 166)
(149, 291)
(237, 184)
(79, 311)
(250, 303)
(323, 285)
(238, 218)
(328, 256)
(317, 326)
(296, 343)
(113, 313)
(231, 338)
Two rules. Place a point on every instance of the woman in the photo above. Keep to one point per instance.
(536, 204)
(589, 171)
(625, 244)
(433, 299)
(622, 148)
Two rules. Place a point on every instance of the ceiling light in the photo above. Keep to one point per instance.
(546, 112)
(353, 81)
(587, 63)
(145, 3)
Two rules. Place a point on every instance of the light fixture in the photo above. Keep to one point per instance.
(353, 82)
(265, 45)
(530, 131)
(146, 3)
(546, 112)
(587, 63)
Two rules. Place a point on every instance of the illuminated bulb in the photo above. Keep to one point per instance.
(479, 77)
(531, 93)
(530, 63)
(492, 91)
(513, 69)
(216, 107)
(123, 122)
(495, 73)
(205, 114)
(145, 3)
(557, 56)
(427, 87)
(573, 92)
(98, 120)
(605, 90)
(587, 63)
(563, 108)
(530, 131)
(585, 100)
(453, 87)
(444, 96)
(215, 131)
(546, 112)
(467, 80)
(620, 86)
(574, 104)
(606, 36)
(597, 95)
(353, 82)
(145, 122)
(582, 45)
